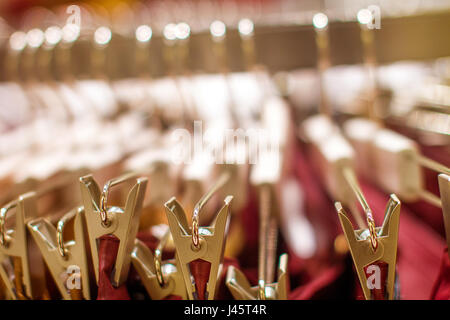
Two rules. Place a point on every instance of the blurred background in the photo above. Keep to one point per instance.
(100, 86)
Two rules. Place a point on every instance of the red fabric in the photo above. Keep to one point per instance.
(309, 290)
(107, 254)
(200, 270)
(249, 220)
(149, 239)
(325, 267)
(319, 207)
(441, 288)
(223, 293)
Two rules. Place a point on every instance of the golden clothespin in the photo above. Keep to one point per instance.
(161, 279)
(15, 268)
(121, 222)
(199, 243)
(66, 260)
(372, 244)
(444, 188)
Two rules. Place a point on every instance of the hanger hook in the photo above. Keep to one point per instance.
(353, 182)
(59, 232)
(103, 204)
(105, 193)
(195, 229)
(3, 213)
(372, 230)
(158, 259)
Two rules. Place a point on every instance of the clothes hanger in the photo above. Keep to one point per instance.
(264, 176)
(396, 158)
(332, 153)
(335, 159)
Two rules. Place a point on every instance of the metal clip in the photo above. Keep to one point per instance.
(210, 244)
(241, 289)
(363, 251)
(102, 220)
(14, 260)
(161, 279)
(61, 257)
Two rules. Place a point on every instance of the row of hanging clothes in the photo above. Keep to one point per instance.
(324, 183)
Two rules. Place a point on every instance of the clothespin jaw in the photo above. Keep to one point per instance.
(241, 289)
(123, 223)
(13, 247)
(364, 253)
(444, 189)
(145, 264)
(63, 258)
(211, 245)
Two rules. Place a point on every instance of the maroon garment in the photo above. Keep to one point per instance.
(310, 290)
(441, 287)
(107, 254)
(200, 270)
(249, 220)
(325, 268)
(319, 207)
